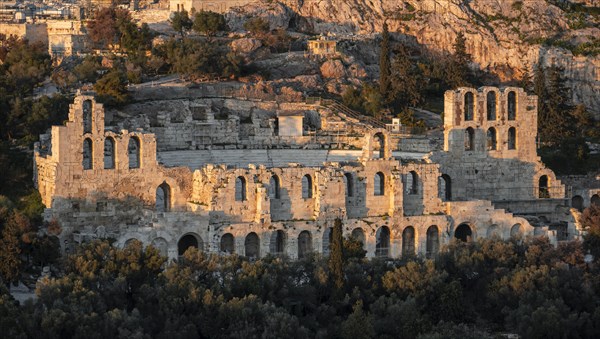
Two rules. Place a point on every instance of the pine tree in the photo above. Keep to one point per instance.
(384, 63)
(336, 256)
(405, 78)
(556, 121)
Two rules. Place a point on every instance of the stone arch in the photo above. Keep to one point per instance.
(133, 152)
(379, 184)
(469, 104)
(577, 202)
(377, 145)
(304, 244)
(88, 154)
(189, 240)
(408, 242)
(277, 243)
(327, 239)
(274, 187)
(132, 242)
(349, 183)
(382, 242)
(491, 140)
(445, 187)
(491, 105)
(161, 245)
(543, 187)
(512, 138)
(493, 231)
(595, 200)
(432, 246)
(412, 182)
(163, 198)
(359, 235)
(307, 186)
(516, 230)
(240, 189)
(252, 245)
(109, 153)
(463, 232)
(87, 116)
(469, 139)
(227, 243)
(512, 105)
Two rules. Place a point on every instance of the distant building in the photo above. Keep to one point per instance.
(218, 6)
(322, 46)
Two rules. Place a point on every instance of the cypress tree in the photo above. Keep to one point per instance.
(384, 63)
(458, 67)
(336, 256)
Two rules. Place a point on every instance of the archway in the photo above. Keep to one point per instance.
(463, 233)
(512, 105)
(327, 239)
(469, 106)
(469, 139)
(307, 187)
(408, 242)
(379, 184)
(493, 231)
(382, 244)
(87, 116)
(228, 243)
(349, 183)
(240, 189)
(359, 235)
(274, 187)
(163, 198)
(88, 154)
(161, 245)
(595, 200)
(512, 138)
(577, 203)
(304, 244)
(433, 241)
(186, 242)
(516, 230)
(133, 151)
(491, 105)
(277, 243)
(491, 139)
(379, 145)
(543, 192)
(445, 187)
(252, 245)
(109, 153)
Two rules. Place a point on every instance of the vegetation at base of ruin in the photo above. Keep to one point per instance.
(209, 23)
(181, 22)
(472, 290)
(113, 28)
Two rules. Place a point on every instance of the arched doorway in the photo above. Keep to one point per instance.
(382, 244)
(304, 244)
(516, 230)
(228, 243)
(433, 242)
(493, 231)
(463, 233)
(252, 245)
(359, 235)
(595, 200)
(161, 245)
(163, 198)
(187, 241)
(577, 202)
(408, 242)
(379, 146)
(277, 243)
(543, 192)
(445, 187)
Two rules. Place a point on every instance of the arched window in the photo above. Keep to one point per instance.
(469, 106)
(277, 243)
(187, 241)
(463, 233)
(408, 242)
(349, 183)
(516, 230)
(512, 105)
(228, 243)
(88, 154)
(577, 202)
(274, 188)
(327, 239)
(433, 242)
(379, 146)
(359, 235)
(307, 187)
(382, 245)
(512, 138)
(543, 192)
(161, 245)
(87, 116)
(109, 153)
(469, 139)
(595, 200)
(445, 187)
(493, 231)
(412, 182)
(304, 244)
(133, 150)
(240, 189)
(163, 198)
(379, 184)
(252, 245)
(491, 105)
(491, 139)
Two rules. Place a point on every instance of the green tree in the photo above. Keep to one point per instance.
(181, 22)
(358, 325)
(458, 71)
(112, 88)
(405, 80)
(336, 255)
(209, 23)
(591, 222)
(385, 82)
(10, 250)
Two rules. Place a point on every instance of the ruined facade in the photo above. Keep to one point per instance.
(157, 182)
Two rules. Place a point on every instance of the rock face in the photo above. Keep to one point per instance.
(245, 46)
(333, 69)
(501, 34)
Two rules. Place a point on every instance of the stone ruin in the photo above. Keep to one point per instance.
(254, 178)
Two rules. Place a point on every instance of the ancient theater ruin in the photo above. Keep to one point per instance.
(260, 177)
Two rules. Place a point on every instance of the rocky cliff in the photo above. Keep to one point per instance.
(506, 37)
